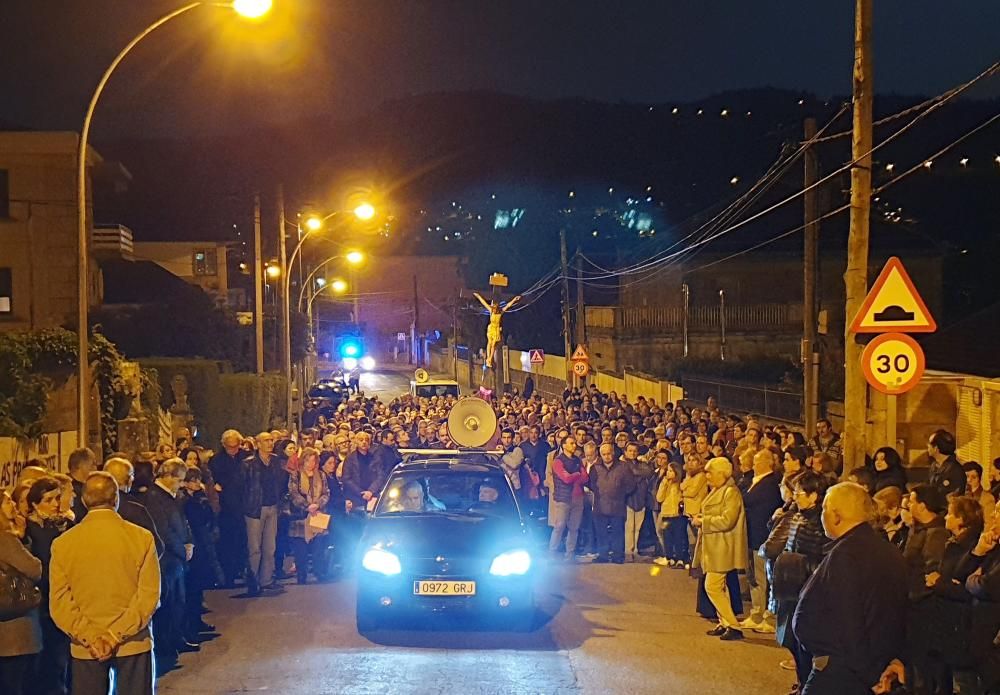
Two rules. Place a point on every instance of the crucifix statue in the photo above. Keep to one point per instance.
(494, 332)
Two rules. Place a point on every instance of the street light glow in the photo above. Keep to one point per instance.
(339, 286)
(314, 223)
(320, 282)
(273, 271)
(354, 257)
(365, 211)
(252, 9)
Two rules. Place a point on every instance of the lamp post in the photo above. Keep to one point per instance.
(250, 9)
(352, 257)
(338, 286)
(313, 224)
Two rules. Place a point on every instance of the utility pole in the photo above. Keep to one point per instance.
(414, 352)
(810, 358)
(258, 288)
(283, 298)
(567, 335)
(454, 335)
(856, 275)
(581, 309)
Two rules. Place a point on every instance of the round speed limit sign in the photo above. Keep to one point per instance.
(893, 363)
(581, 369)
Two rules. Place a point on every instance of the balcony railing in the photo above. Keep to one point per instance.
(738, 317)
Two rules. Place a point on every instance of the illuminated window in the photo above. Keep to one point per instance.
(6, 291)
(204, 262)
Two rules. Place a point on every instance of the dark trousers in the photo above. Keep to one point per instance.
(674, 537)
(51, 673)
(316, 548)
(282, 544)
(14, 672)
(232, 546)
(609, 536)
(168, 621)
(585, 540)
(834, 679)
(133, 675)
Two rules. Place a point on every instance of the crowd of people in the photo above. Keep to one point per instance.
(864, 578)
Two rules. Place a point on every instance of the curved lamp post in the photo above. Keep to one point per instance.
(250, 9)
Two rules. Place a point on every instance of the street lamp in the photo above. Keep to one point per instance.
(352, 257)
(313, 223)
(338, 286)
(250, 9)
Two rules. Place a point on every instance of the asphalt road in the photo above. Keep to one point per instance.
(600, 629)
(386, 382)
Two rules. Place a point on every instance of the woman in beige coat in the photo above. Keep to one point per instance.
(20, 638)
(722, 542)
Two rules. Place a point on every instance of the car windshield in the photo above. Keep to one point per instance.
(447, 492)
(431, 390)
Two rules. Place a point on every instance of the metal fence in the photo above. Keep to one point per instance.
(748, 398)
(739, 317)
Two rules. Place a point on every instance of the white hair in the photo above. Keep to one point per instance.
(720, 464)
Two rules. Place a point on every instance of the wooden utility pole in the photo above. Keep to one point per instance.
(258, 288)
(810, 358)
(581, 309)
(285, 283)
(856, 275)
(567, 335)
(414, 348)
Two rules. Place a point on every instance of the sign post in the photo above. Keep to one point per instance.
(893, 362)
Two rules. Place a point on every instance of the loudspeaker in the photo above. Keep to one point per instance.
(421, 376)
(472, 422)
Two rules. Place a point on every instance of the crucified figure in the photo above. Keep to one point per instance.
(494, 332)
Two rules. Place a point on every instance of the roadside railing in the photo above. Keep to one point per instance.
(748, 398)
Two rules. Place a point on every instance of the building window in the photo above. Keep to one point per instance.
(4, 194)
(6, 291)
(204, 262)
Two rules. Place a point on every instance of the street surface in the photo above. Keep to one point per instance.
(600, 629)
(386, 382)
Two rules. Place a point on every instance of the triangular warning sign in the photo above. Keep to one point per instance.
(893, 305)
(580, 355)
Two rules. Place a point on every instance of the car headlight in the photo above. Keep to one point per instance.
(368, 363)
(350, 363)
(513, 562)
(381, 561)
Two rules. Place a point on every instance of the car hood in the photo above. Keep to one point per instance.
(450, 535)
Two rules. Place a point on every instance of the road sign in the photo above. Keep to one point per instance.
(580, 354)
(893, 363)
(536, 356)
(581, 369)
(893, 304)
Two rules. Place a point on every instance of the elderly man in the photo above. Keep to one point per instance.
(226, 466)
(129, 508)
(762, 498)
(262, 491)
(81, 462)
(852, 611)
(161, 502)
(722, 543)
(105, 584)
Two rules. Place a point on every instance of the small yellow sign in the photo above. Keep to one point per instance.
(893, 305)
(581, 369)
(580, 354)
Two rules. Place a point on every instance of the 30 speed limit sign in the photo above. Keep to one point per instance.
(893, 363)
(581, 369)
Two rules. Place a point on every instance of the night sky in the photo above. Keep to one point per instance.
(210, 72)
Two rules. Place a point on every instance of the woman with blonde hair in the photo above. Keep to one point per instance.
(309, 494)
(20, 637)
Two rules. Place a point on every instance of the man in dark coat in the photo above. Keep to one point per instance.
(945, 473)
(168, 516)
(227, 472)
(852, 611)
(760, 501)
(362, 478)
(611, 482)
(81, 463)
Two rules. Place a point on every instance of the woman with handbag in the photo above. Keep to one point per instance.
(309, 494)
(803, 552)
(20, 630)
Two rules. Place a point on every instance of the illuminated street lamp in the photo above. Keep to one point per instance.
(364, 211)
(249, 9)
(338, 286)
(352, 257)
(272, 271)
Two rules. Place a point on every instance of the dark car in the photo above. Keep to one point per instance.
(447, 537)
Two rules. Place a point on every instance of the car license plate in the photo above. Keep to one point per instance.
(435, 588)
